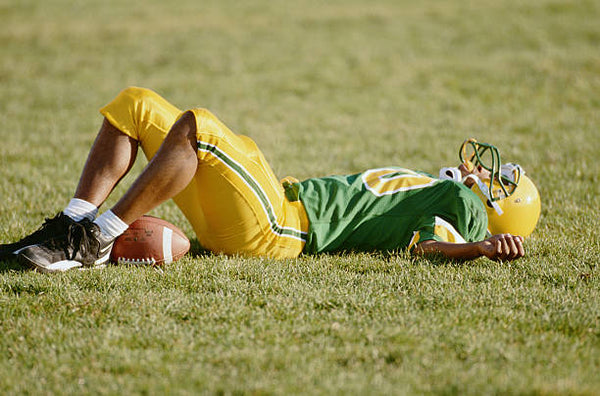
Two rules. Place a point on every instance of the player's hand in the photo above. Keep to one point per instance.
(503, 247)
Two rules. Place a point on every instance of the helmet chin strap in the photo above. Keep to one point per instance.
(485, 190)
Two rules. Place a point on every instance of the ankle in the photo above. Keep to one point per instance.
(110, 224)
(79, 209)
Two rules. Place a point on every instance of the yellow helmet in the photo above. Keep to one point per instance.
(512, 201)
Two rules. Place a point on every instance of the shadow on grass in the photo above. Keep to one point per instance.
(395, 256)
(11, 264)
(196, 250)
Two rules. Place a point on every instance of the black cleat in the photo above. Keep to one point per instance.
(55, 227)
(82, 246)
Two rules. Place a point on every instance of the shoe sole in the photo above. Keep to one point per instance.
(59, 266)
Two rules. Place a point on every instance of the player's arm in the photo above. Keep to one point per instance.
(497, 247)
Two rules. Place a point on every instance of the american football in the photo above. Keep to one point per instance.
(150, 241)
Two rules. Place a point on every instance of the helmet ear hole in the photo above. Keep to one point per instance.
(518, 215)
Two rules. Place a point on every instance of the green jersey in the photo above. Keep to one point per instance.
(388, 209)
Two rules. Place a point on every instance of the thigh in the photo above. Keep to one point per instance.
(242, 202)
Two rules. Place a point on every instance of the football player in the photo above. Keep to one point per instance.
(224, 186)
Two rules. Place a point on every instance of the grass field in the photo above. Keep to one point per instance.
(324, 87)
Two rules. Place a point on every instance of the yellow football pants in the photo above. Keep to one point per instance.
(235, 203)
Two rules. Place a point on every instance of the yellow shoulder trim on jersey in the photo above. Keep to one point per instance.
(446, 231)
(415, 239)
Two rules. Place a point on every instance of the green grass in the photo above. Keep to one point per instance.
(323, 87)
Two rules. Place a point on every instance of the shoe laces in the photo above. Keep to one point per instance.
(80, 238)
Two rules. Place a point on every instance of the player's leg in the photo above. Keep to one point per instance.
(167, 173)
(224, 186)
(112, 155)
(233, 201)
(135, 115)
(110, 158)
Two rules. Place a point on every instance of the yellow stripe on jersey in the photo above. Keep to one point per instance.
(389, 181)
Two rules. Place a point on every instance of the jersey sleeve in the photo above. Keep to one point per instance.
(436, 229)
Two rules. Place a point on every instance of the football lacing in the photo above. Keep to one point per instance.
(130, 261)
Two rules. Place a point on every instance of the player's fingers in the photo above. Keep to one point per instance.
(498, 247)
(499, 254)
(513, 252)
(505, 248)
(520, 248)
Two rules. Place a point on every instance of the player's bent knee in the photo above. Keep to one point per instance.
(188, 120)
(184, 128)
(136, 96)
(136, 110)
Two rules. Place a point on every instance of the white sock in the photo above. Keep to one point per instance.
(78, 209)
(110, 224)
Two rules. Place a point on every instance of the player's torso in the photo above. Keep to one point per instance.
(379, 209)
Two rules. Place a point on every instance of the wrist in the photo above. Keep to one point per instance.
(481, 248)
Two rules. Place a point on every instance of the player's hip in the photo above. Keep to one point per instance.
(254, 229)
(236, 206)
